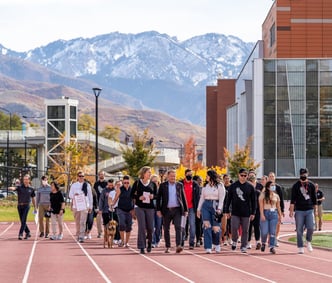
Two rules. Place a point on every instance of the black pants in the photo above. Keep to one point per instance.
(23, 211)
(255, 224)
(174, 215)
(199, 230)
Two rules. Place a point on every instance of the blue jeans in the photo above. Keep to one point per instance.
(304, 219)
(269, 226)
(210, 236)
(192, 226)
(158, 221)
(23, 211)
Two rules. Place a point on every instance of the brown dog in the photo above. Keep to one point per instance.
(109, 233)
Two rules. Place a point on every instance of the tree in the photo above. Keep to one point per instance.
(189, 158)
(240, 159)
(141, 153)
(111, 133)
(86, 123)
(5, 121)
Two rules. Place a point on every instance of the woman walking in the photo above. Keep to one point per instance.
(143, 192)
(210, 208)
(269, 206)
(57, 208)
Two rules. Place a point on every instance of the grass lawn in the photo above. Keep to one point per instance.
(8, 212)
(320, 240)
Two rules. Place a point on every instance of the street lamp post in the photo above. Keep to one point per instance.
(7, 147)
(96, 91)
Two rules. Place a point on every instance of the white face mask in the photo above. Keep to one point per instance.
(273, 188)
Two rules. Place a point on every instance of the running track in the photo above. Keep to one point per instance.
(43, 260)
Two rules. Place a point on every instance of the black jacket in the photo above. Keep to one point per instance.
(304, 195)
(196, 193)
(162, 198)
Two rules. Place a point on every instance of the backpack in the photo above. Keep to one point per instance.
(85, 188)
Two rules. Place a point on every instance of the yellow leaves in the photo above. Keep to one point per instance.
(180, 172)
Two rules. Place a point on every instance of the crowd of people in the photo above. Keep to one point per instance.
(215, 213)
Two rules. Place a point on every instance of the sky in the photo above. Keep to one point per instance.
(27, 24)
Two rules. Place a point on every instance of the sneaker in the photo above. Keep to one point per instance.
(20, 237)
(46, 235)
(142, 251)
(309, 247)
(263, 248)
(120, 244)
(127, 245)
(60, 237)
(153, 246)
(27, 236)
(89, 237)
(233, 247)
(301, 250)
(81, 240)
(276, 243)
(208, 251)
(258, 246)
(249, 246)
(99, 235)
(191, 247)
(116, 242)
(218, 249)
(225, 243)
(243, 250)
(272, 251)
(148, 249)
(167, 251)
(53, 237)
(179, 249)
(41, 235)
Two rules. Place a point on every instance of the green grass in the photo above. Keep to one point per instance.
(8, 212)
(320, 240)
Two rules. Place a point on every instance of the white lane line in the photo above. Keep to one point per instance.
(89, 257)
(27, 269)
(164, 267)
(293, 266)
(233, 268)
(10, 226)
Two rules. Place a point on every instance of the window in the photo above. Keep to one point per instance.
(272, 35)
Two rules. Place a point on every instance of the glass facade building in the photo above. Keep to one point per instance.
(297, 116)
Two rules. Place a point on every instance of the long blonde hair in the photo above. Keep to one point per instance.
(142, 171)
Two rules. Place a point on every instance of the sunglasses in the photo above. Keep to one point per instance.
(81, 176)
(243, 175)
(126, 183)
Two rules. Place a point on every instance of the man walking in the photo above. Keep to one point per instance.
(99, 186)
(242, 197)
(172, 205)
(25, 195)
(304, 203)
(192, 193)
(43, 204)
(82, 203)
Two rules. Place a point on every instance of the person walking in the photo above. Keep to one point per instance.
(303, 203)
(198, 221)
(242, 198)
(320, 199)
(81, 195)
(255, 224)
(172, 206)
(125, 210)
(25, 195)
(57, 208)
(99, 186)
(192, 193)
(43, 204)
(158, 221)
(210, 209)
(270, 212)
(143, 192)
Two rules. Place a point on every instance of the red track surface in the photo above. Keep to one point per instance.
(43, 260)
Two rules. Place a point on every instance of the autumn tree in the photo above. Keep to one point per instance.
(86, 123)
(189, 158)
(111, 133)
(140, 154)
(241, 158)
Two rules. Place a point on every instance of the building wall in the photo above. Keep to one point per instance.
(218, 98)
(301, 28)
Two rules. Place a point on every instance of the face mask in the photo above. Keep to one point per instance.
(189, 177)
(273, 188)
(303, 178)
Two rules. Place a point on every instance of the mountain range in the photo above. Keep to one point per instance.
(148, 71)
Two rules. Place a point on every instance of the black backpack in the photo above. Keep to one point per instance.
(85, 188)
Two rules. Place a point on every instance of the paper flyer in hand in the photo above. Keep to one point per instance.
(147, 197)
(80, 202)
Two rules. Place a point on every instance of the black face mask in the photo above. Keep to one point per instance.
(303, 178)
(189, 177)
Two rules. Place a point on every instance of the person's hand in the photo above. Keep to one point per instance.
(291, 214)
(198, 213)
(185, 214)
(252, 217)
(228, 215)
(263, 218)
